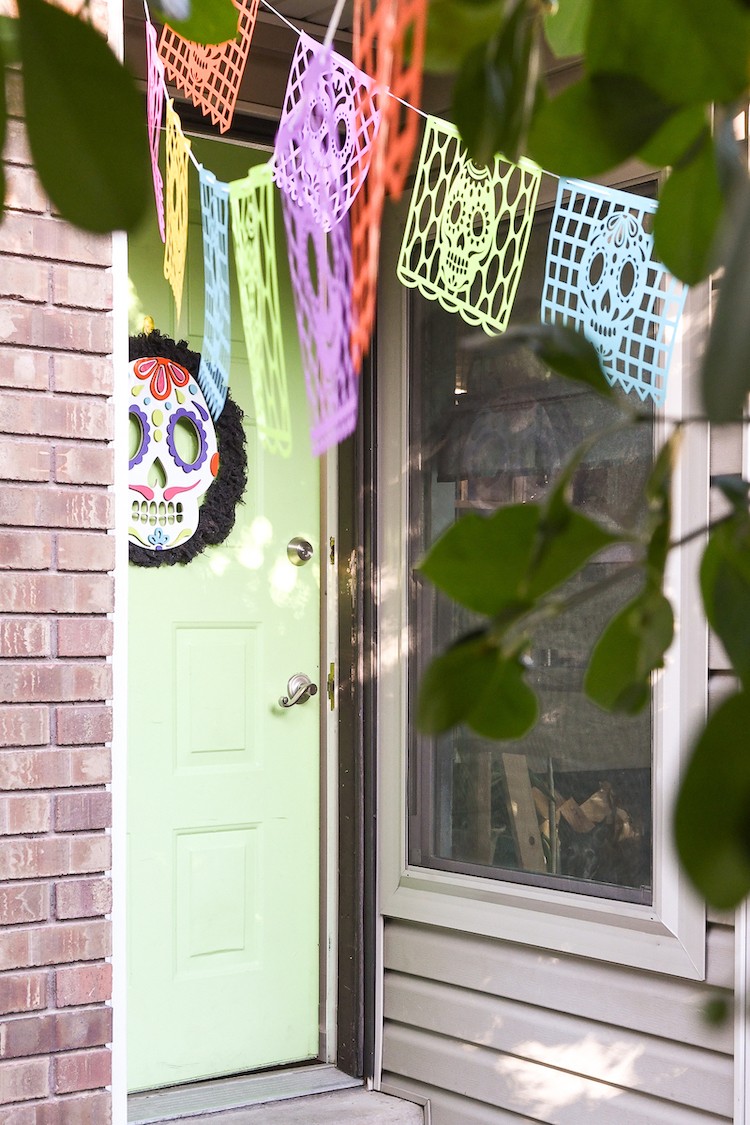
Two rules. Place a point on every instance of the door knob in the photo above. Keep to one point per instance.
(300, 688)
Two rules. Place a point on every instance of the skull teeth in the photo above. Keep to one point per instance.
(153, 513)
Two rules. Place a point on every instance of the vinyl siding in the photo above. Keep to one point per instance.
(492, 1032)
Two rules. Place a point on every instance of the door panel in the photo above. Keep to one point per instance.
(223, 783)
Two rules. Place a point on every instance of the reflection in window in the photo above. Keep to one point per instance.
(569, 805)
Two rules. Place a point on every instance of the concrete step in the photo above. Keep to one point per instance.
(344, 1107)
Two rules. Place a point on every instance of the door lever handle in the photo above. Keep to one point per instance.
(300, 688)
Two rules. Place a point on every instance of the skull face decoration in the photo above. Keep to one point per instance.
(602, 279)
(613, 279)
(322, 150)
(467, 228)
(174, 467)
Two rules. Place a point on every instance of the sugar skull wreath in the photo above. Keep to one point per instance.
(179, 454)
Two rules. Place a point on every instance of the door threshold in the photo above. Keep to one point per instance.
(236, 1093)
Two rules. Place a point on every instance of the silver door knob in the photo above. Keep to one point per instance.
(299, 551)
(299, 689)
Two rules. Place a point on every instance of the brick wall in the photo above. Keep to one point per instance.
(55, 680)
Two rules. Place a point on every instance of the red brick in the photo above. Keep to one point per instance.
(25, 550)
(85, 636)
(55, 769)
(23, 992)
(80, 812)
(80, 550)
(91, 766)
(24, 279)
(57, 415)
(77, 985)
(23, 191)
(55, 943)
(83, 1070)
(78, 725)
(23, 368)
(42, 236)
(24, 636)
(24, 726)
(22, 1080)
(34, 857)
(54, 681)
(83, 898)
(22, 815)
(83, 287)
(20, 1114)
(59, 1031)
(83, 464)
(21, 903)
(83, 374)
(56, 593)
(17, 145)
(25, 505)
(77, 1109)
(72, 331)
(24, 460)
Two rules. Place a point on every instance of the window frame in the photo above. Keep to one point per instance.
(667, 936)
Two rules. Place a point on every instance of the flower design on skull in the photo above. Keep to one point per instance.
(165, 375)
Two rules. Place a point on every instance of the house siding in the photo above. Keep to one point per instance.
(492, 1032)
(56, 597)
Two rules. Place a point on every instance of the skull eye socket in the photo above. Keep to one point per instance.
(596, 268)
(341, 135)
(186, 440)
(456, 211)
(139, 436)
(627, 279)
(478, 224)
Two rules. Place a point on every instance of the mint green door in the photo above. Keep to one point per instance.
(223, 791)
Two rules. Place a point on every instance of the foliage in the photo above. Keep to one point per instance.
(661, 82)
(85, 117)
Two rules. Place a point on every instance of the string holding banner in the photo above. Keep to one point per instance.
(211, 75)
(253, 232)
(175, 246)
(468, 229)
(602, 278)
(213, 373)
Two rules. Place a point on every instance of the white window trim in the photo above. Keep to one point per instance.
(670, 935)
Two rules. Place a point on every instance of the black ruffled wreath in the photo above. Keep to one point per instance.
(217, 512)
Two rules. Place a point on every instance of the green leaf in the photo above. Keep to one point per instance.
(565, 351)
(456, 27)
(685, 50)
(507, 708)
(491, 102)
(473, 682)
(565, 545)
(566, 28)
(9, 40)
(596, 124)
(453, 682)
(85, 121)
(481, 562)
(210, 21)
(676, 137)
(712, 815)
(725, 372)
(631, 647)
(725, 586)
(690, 210)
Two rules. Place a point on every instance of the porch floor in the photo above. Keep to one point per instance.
(344, 1107)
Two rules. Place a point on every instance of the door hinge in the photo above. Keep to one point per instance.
(331, 686)
(332, 550)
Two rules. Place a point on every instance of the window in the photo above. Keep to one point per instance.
(570, 804)
(465, 826)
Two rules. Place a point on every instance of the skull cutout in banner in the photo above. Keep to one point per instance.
(186, 472)
(614, 268)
